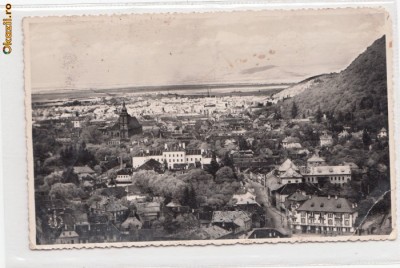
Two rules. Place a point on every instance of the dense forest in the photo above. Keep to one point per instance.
(356, 96)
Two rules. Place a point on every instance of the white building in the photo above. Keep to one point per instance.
(333, 174)
(175, 157)
(324, 215)
(291, 143)
(76, 123)
(286, 165)
(382, 133)
(315, 161)
(124, 176)
(290, 176)
(325, 140)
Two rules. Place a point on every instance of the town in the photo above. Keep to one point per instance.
(157, 167)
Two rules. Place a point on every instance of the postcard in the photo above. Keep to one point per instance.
(199, 128)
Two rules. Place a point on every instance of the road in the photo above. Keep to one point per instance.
(275, 218)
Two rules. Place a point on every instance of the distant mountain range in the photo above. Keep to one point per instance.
(360, 90)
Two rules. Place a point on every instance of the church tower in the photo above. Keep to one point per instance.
(123, 123)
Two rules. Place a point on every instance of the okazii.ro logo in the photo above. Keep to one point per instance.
(7, 22)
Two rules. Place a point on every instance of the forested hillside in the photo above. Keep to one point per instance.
(356, 96)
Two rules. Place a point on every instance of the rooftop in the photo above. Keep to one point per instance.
(315, 158)
(291, 173)
(327, 204)
(329, 170)
(291, 188)
(83, 169)
(245, 199)
(213, 232)
(230, 216)
(286, 165)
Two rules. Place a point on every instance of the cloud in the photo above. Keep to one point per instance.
(257, 69)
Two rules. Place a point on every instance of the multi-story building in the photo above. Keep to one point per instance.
(316, 172)
(324, 215)
(315, 161)
(286, 165)
(333, 174)
(124, 176)
(174, 156)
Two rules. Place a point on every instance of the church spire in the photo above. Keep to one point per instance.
(123, 110)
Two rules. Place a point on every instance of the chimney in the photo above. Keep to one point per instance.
(329, 197)
(336, 197)
(147, 151)
(309, 197)
(183, 145)
(121, 164)
(166, 146)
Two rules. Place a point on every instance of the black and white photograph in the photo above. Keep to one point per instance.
(209, 128)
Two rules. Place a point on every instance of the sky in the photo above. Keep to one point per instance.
(196, 48)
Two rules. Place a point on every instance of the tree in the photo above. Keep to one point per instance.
(65, 191)
(91, 134)
(295, 110)
(225, 174)
(366, 138)
(98, 169)
(243, 144)
(165, 165)
(318, 115)
(68, 156)
(69, 176)
(227, 160)
(214, 166)
(189, 197)
(278, 114)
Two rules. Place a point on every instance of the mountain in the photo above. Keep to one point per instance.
(357, 95)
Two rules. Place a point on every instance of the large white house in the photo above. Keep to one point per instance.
(291, 143)
(325, 214)
(316, 172)
(325, 140)
(333, 174)
(175, 157)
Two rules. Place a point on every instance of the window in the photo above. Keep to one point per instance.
(330, 222)
(303, 220)
(330, 215)
(346, 222)
(303, 214)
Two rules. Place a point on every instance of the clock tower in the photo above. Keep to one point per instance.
(123, 123)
